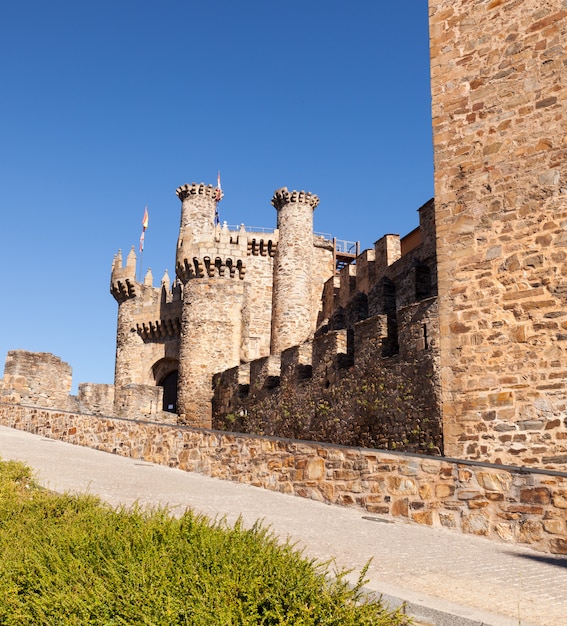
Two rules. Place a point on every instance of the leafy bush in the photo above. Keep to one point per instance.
(71, 560)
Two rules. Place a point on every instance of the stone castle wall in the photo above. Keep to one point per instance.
(370, 376)
(147, 333)
(500, 125)
(257, 312)
(503, 503)
(162, 331)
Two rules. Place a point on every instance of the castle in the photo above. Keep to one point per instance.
(450, 341)
(238, 296)
(457, 330)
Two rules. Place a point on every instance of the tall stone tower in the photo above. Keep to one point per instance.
(210, 262)
(293, 269)
(499, 98)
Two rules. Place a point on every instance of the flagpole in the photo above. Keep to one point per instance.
(218, 199)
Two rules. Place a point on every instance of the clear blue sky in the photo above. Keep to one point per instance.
(109, 106)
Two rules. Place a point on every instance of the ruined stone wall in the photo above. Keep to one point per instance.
(37, 378)
(499, 120)
(502, 503)
(97, 399)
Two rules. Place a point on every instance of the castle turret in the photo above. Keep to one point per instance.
(211, 264)
(293, 269)
(124, 288)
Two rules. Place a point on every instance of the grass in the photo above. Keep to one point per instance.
(71, 560)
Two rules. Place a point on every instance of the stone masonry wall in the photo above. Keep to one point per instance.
(38, 378)
(371, 375)
(293, 269)
(499, 97)
(257, 313)
(502, 503)
(211, 337)
(319, 391)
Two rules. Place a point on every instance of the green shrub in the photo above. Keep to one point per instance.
(71, 560)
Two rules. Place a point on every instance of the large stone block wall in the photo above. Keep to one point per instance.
(499, 96)
(509, 504)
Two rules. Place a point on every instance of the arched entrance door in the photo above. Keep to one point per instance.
(169, 384)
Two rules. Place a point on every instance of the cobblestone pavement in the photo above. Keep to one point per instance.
(446, 578)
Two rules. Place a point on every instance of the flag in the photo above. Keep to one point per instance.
(219, 189)
(145, 223)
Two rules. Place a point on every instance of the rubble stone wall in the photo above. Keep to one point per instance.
(503, 503)
(38, 378)
(499, 96)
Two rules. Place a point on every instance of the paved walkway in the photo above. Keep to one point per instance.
(446, 579)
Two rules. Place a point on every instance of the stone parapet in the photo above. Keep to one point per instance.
(265, 372)
(347, 289)
(296, 363)
(329, 356)
(139, 401)
(387, 250)
(123, 284)
(282, 197)
(96, 399)
(503, 503)
(198, 189)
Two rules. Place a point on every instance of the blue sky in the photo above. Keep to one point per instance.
(109, 106)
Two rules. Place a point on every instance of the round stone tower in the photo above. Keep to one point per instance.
(293, 269)
(211, 264)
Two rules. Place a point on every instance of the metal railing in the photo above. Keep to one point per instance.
(342, 246)
(250, 229)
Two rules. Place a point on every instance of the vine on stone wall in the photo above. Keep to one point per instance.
(394, 406)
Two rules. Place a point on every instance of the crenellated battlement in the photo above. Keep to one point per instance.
(220, 255)
(123, 278)
(210, 267)
(283, 196)
(160, 328)
(198, 189)
(259, 245)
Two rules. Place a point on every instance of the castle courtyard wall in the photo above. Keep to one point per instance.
(503, 503)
